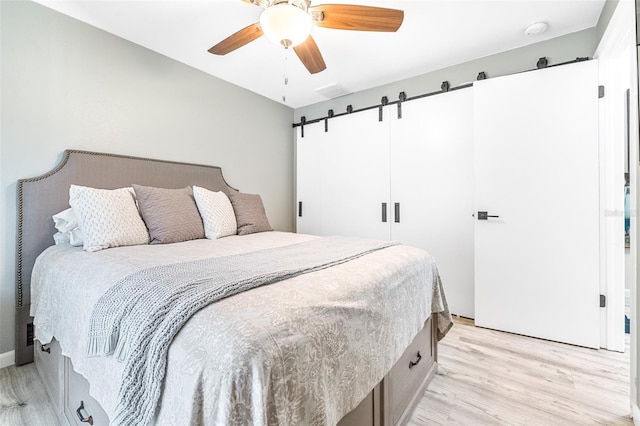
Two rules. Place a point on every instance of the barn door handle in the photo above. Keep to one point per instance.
(384, 212)
(299, 208)
(396, 208)
(485, 216)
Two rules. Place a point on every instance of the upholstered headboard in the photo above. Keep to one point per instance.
(41, 197)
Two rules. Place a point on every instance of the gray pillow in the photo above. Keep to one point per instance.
(171, 215)
(250, 214)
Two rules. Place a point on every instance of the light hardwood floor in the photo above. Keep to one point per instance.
(485, 377)
(488, 377)
(23, 400)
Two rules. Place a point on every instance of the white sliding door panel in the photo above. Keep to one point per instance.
(432, 179)
(536, 167)
(343, 176)
(310, 162)
(356, 177)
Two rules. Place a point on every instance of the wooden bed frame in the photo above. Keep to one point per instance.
(389, 403)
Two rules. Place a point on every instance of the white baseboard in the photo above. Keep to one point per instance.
(7, 359)
(635, 412)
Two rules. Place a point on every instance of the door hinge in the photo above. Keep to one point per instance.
(600, 92)
(603, 301)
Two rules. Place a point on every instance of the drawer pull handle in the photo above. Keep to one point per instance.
(45, 348)
(82, 414)
(414, 363)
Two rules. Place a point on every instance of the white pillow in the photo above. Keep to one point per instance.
(217, 213)
(67, 226)
(73, 237)
(107, 218)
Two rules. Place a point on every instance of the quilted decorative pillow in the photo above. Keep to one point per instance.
(107, 218)
(171, 215)
(217, 213)
(250, 214)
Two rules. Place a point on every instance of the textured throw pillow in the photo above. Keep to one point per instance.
(171, 215)
(250, 214)
(107, 218)
(217, 213)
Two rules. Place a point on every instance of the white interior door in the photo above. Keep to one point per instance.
(432, 180)
(536, 167)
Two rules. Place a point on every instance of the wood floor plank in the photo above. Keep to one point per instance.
(23, 399)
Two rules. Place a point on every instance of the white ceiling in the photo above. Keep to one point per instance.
(435, 34)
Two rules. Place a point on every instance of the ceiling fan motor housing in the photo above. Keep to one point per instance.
(286, 22)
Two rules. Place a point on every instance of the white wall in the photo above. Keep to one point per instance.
(66, 84)
(635, 287)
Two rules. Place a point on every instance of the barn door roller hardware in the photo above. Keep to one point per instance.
(383, 102)
(444, 87)
(326, 120)
(401, 98)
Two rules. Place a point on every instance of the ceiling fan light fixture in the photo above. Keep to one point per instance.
(285, 24)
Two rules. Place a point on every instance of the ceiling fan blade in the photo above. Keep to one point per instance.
(237, 40)
(310, 55)
(359, 18)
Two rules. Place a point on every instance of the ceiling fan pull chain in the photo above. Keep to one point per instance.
(285, 76)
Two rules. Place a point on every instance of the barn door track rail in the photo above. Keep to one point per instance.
(402, 96)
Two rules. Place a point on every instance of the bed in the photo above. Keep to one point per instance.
(354, 343)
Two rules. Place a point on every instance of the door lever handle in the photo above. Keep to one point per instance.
(485, 215)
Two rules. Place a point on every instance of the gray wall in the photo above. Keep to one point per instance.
(559, 49)
(605, 18)
(65, 84)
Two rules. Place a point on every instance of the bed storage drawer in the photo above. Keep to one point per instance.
(409, 376)
(49, 361)
(78, 393)
(365, 414)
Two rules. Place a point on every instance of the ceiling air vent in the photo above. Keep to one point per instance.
(333, 90)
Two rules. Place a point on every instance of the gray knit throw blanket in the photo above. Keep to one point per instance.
(137, 318)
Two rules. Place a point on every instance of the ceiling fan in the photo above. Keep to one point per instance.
(288, 23)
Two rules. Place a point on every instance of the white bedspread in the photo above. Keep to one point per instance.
(303, 351)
